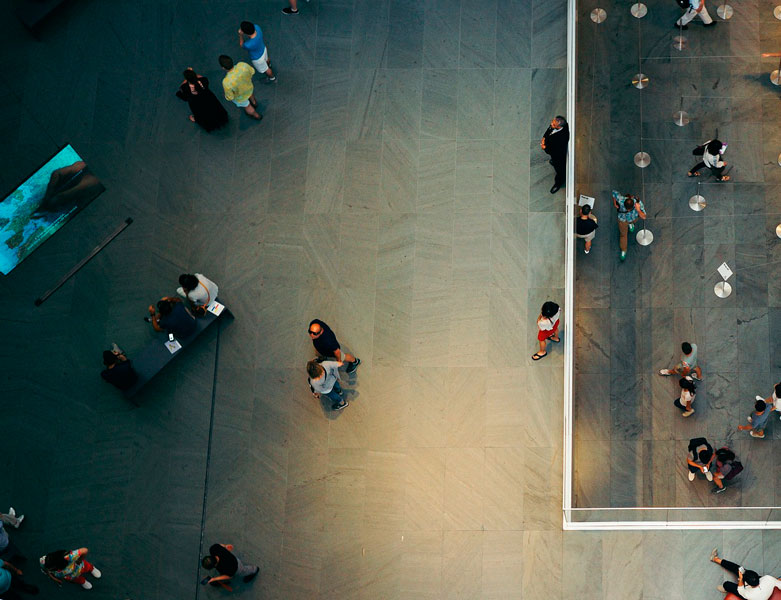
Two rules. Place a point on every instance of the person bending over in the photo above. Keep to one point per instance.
(172, 315)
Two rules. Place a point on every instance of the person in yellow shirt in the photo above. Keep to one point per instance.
(238, 87)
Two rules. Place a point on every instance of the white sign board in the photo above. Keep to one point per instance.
(584, 200)
(724, 271)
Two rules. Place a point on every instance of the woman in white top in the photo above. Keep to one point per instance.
(324, 380)
(199, 290)
(686, 399)
(548, 328)
(711, 158)
(750, 585)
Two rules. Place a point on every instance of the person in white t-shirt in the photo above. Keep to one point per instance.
(198, 289)
(695, 8)
(324, 380)
(772, 400)
(686, 399)
(750, 585)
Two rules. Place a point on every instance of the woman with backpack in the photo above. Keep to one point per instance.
(548, 328)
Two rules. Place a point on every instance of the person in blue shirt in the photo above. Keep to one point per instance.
(11, 581)
(251, 39)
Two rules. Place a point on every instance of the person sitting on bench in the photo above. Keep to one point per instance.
(199, 290)
(119, 371)
(172, 315)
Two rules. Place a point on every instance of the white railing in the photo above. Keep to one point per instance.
(569, 263)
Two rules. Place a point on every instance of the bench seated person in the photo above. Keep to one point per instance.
(174, 318)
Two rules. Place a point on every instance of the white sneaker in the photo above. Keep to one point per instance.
(709, 476)
(96, 573)
(19, 520)
(11, 511)
(691, 476)
(759, 398)
(665, 372)
(86, 585)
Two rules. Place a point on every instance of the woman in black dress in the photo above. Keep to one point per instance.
(206, 109)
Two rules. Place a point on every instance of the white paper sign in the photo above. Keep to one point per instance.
(584, 200)
(173, 346)
(724, 271)
(215, 308)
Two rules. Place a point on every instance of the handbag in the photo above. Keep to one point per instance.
(699, 150)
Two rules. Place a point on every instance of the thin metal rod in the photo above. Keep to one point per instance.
(83, 261)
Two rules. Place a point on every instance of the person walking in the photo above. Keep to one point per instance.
(9, 550)
(237, 85)
(686, 399)
(699, 458)
(554, 142)
(64, 565)
(750, 585)
(586, 226)
(758, 418)
(687, 365)
(292, 9)
(10, 518)
(772, 399)
(222, 558)
(711, 152)
(695, 8)
(547, 328)
(251, 39)
(326, 345)
(205, 109)
(324, 381)
(630, 208)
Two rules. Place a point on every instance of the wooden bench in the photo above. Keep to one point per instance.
(153, 359)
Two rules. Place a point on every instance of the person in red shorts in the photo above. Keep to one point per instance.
(69, 566)
(548, 326)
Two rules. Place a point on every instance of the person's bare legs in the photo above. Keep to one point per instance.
(269, 72)
(294, 5)
(543, 345)
(250, 108)
(698, 372)
(588, 246)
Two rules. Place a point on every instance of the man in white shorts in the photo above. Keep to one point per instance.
(251, 39)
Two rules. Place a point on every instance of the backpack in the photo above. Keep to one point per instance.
(725, 456)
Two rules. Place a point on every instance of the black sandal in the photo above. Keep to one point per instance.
(538, 356)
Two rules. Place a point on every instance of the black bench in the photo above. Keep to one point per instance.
(153, 359)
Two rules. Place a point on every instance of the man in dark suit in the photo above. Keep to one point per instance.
(554, 142)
